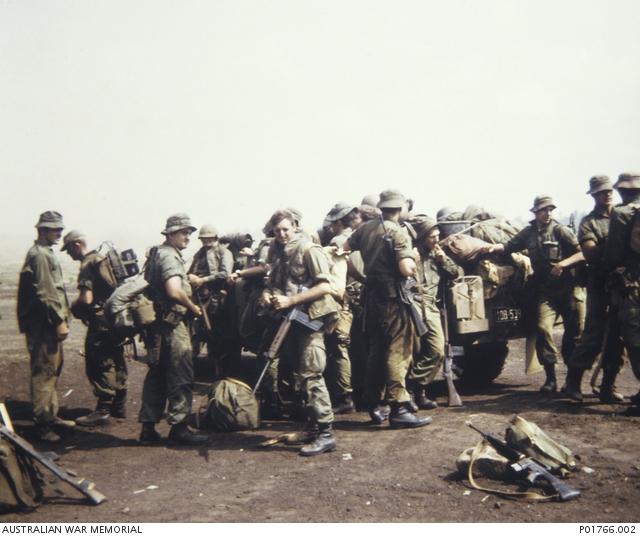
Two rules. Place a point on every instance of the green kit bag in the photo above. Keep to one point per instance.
(20, 481)
(231, 407)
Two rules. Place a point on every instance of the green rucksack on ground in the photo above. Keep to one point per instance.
(20, 481)
(231, 406)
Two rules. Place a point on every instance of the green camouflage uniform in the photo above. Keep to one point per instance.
(623, 265)
(595, 227)
(105, 364)
(214, 265)
(170, 379)
(297, 264)
(42, 306)
(388, 326)
(429, 274)
(554, 296)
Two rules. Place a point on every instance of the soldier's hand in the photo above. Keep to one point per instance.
(233, 277)
(556, 270)
(62, 331)
(196, 281)
(281, 302)
(438, 252)
(197, 312)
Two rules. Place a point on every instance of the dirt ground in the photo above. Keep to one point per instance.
(376, 474)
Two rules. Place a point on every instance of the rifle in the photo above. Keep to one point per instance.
(403, 287)
(294, 315)
(208, 328)
(84, 486)
(527, 467)
(453, 396)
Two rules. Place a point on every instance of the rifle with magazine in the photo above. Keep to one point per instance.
(293, 315)
(83, 485)
(404, 287)
(529, 469)
(452, 393)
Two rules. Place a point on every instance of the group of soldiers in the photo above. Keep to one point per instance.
(349, 281)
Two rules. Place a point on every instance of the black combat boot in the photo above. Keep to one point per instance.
(344, 405)
(181, 434)
(608, 393)
(325, 441)
(149, 435)
(379, 413)
(573, 384)
(550, 385)
(119, 404)
(402, 417)
(46, 433)
(100, 416)
(421, 400)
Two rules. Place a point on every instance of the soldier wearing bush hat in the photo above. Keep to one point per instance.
(553, 248)
(592, 235)
(43, 313)
(211, 266)
(622, 257)
(170, 376)
(105, 364)
(433, 267)
(390, 331)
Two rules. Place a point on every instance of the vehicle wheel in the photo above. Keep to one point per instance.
(481, 364)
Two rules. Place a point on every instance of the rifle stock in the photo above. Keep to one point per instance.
(86, 487)
(452, 394)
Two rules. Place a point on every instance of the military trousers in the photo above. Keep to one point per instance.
(338, 360)
(625, 323)
(391, 341)
(305, 352)
(429, 358)
(570, 306)
(46, 359)
(105, 364)
(169, 382)
(597, 336)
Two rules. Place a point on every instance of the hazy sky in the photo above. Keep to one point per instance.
(118, 113)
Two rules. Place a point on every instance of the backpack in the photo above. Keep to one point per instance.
(231, 406)
(20, 481)
(128, 310)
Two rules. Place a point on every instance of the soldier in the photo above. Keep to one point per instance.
(592, 234)
(211, 266)
(170, 376)
(342, 220)
(433, 269)
(43, 312)
(300, 276)
(553, 248)
(104, 354)
(622, 263)
(389, 327)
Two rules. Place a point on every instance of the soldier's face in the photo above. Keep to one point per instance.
(432, 239)
(543, 216)
(284, 231)
(74, 251)
(179, 239)
(604, 198)
(51, 236)
(208, 242)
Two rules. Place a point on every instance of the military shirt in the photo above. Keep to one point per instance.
(618, 252)
(546, 245)
(595, 227)
(378, 263)
(429, 272)
(213, 264)
(166, 262)
(89, 278)
(41, 294)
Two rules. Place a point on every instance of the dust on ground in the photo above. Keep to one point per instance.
(376, 474)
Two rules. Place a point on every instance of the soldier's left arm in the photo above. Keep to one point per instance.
(570, 244)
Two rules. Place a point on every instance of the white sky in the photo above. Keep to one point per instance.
(119, 113)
